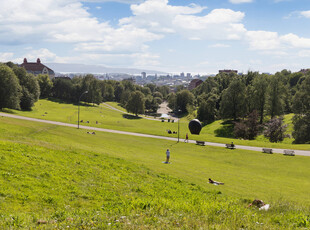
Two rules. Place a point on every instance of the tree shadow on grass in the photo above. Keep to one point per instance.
(5, 110)
(60, 101)
(131, 117)
(226, 130)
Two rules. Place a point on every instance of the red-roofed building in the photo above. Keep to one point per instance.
(37, 68)
(194, 83)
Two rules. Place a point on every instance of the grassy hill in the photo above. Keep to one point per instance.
(112, 119)
(66, 177)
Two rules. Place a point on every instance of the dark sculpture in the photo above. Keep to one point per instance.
(195, 126)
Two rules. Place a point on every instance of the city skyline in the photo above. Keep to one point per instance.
(170, 36)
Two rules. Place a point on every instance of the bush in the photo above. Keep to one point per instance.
(247, 129)
(301, 131)
(275, 130)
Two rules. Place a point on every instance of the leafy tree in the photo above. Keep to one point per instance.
(158, 94)
(45, 84)
(233, 101)
(30, 88)
(184, 98)
(64, 89)
(146, 91)
(301, 131)
(135, 103)
(258, 95)
(301, 100)
(172, 101)
(151, 86)
(124, 97)
(301, 107)
(275, 96)
(207, 110)
(10, 90)
(119, 89)
(275, 130)
(152, 104)
(247, 129)
(164, 90)
(207, 86)
(109, 93)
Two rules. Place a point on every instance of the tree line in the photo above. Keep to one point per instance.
(20, 90)
(253, 101)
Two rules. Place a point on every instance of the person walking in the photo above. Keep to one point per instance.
(167, 156)
(186, 138)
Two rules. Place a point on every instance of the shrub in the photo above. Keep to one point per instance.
(275, 130)
(247, 129)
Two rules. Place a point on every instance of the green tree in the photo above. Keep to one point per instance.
(207, 110)
(135, 103)
(258, 95)
(164, 90)
(248, 128)
(119, 89)
(30, 88)
(64, 89)
(158, 94)
(301, 132)
(301, 108)
(172, 101)
(10, 90)
(45, 84)
(275, 130)
(233, 101)
(275, 96)
(124, 97)
(301, 100)
(184, 98)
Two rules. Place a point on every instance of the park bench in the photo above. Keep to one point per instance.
(230, 146)
(265, 150)
(289, 152)
(200, 143)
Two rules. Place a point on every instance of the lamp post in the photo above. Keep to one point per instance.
(79, 108)
(179, 125)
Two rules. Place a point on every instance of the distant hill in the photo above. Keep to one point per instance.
(96, 69)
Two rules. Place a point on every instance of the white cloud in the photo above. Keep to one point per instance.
(4, 57)
(219, 45)
(305, 14)
(263, 40)
(295, 41)
(160, 17)
(240, 1)
(304, 53)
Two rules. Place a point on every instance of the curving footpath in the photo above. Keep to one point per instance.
(259, 149)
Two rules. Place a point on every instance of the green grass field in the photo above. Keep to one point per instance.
(69, 178)
(111, 119)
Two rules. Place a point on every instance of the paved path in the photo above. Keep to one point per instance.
(297, 152)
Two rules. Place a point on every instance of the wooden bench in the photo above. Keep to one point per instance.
(230, 146)
(265, 150)
(289, 152)
(200, 143)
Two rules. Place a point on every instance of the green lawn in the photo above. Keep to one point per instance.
(68, 177)
(111, 119)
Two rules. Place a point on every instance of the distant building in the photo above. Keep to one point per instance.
(304, 71)
(182, 75)
(143, 74)
(37, 68)
(228, 71)
(194, 83)
(188, 75)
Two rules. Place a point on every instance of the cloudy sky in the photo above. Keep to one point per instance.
(197, 36)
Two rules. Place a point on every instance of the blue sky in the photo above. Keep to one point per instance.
(197, 36)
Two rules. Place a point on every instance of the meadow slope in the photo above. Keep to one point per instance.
(69, 178)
